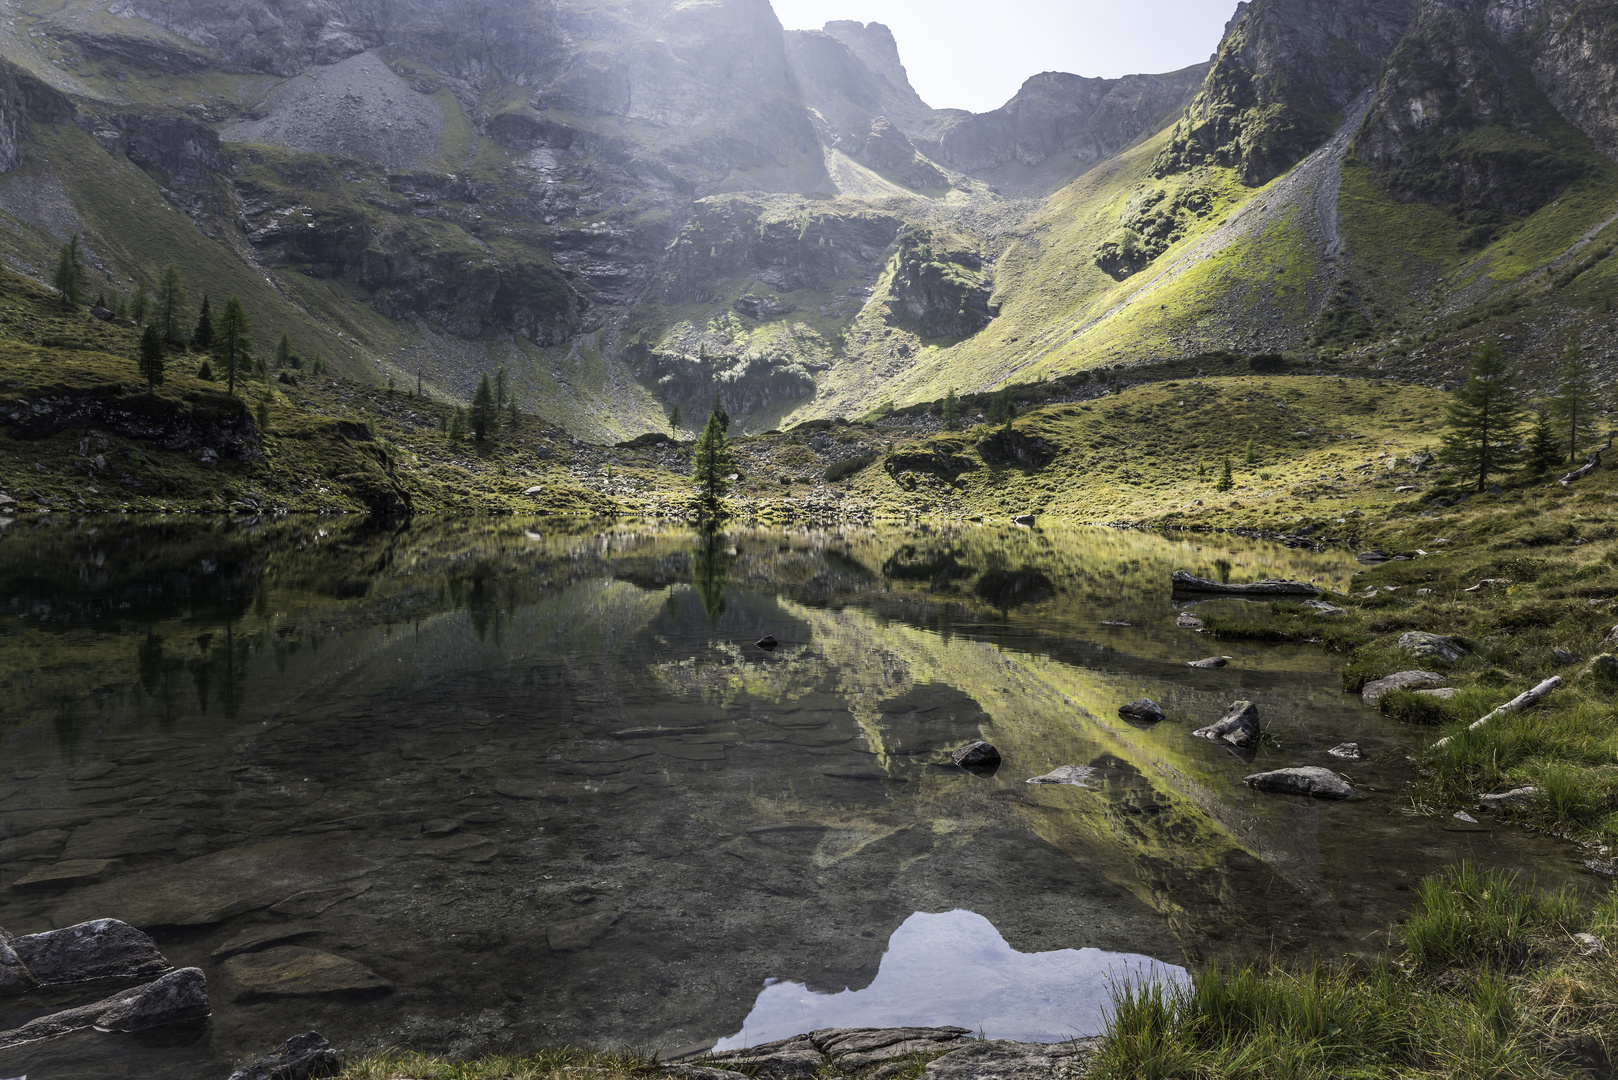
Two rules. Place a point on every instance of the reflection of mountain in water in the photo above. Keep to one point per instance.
(954, 969)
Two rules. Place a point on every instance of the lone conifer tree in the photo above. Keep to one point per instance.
(1250, 456)
(169, 308)
(1575, 403)
(69, 273)
(233, 342)
(202, 336)
(501, 394)
(951, 411)
(675, 417)
(283, 351)
(483, 409)
(1226, 480)
(151, 358)
(711, 465)
(1482, 418)
(140, 304)
(1544, 448)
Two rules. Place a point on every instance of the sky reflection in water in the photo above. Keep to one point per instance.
(954, 968)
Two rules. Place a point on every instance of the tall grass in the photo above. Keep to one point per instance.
(1392, 1018)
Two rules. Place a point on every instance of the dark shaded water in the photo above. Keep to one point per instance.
(467, 785)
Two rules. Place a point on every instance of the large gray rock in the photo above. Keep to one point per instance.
(1602, 669)
(178, 997)
(859, 1048)
(1144, 710)
(1377, 689)
(1001, 1059)
(90, 952)
(784, 1059)
(1184, 582)
(1306, 780)
(1421, 644)
(303, 1057)
(1238, 727)
(1209, 662)
(1349, 751)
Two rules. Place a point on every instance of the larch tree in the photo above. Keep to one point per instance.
(233, 341)
(202, 336)
(711, 467)
(1575, 403)
(1544, 448)
(69, 273)
(168, 309)
(140, 304)
(483, 409)
(1483, 418)
(951, 414)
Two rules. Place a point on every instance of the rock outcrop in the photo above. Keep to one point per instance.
(1311, 780)
(25, 100)
(1238, 727)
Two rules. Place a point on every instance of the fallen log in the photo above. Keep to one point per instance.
(1516, 704)
(1189, 583)
(1591, 464)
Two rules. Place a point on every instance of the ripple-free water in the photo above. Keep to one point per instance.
(542, 784)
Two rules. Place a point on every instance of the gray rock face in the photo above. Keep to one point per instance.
(1238, 727)
(1143, 709)
(1421, 644)
(976, 755)
(302, 1057)
(1000, 1059)
(90, 952)
(15, 978)
(1376, 689)
(859, 1048)
(1444, 692)
(178, 997)
(24, 99)
(1309, 780)
(785, 1059)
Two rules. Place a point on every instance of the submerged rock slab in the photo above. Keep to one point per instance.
(1075, 775)
(1238, 727)
(178, 997)
(303, 1057)
(294, 971)
(90, 952)
(1375, 690)
(1309, 780)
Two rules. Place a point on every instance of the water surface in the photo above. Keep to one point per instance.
(543, 785)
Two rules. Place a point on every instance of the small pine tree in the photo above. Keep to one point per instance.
(711, 466)
(501, 394)
(1202, 470)
(1250, 457)
(952, 411)
(511, 412)
(152, 357)
(204, 369)
(233, 343)
(283, 351)
(1482, 418)
(483, 409)
(1226, 480)
(169, 306)
(675, 418)
(263, 415)
(1544, 448)
(457, 424)
(140, 304)
(202, 336)
(720, 413)
(69, 273)
(1575, 403)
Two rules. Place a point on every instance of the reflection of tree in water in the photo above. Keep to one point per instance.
(225, 659)
(1007, 589)
(711, 561)
(481, 597)
(1222, 571)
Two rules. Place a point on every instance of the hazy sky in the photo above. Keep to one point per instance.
(972, 54)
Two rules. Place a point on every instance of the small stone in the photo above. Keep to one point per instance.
(1209, 662)
(1023, 519)
(1424, 592)
(1324, 610)
(303, 1057)
(1516, 798)
(1188, 621)
(767, 643)
(89, 952)
(1238, 727)
(1462, 815)
(1377, 689)
(1564, 657)
(1144, 710)
(1348, 751)
(1075, 775)
(1309, 780)
(1602, 669)
(1443, 693)
(535, 490)
(1590, 945)
(976, 755)
(1115, 622)
(1421, 644)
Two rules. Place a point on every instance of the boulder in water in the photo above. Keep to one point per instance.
(1209, 662)
(976, 755)
(767, 642)
(1188, 621)
(1144, 710)
(1238, 727)
(92, 951)
(175, 998)
(1309, 780)
(1348, 751)
(303, 1057)
(1076, 775)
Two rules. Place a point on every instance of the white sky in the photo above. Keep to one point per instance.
(974, 54)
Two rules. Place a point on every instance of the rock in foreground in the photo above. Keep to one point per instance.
(1209, 662)
(1238, 727)
(1375, 690)
(178, 997)
(1064, 774)
(1308, 780)
(1421, 644)
(1144, 710)
(102, 949)
(976, 755)
(303, 1057)
(1190, 583)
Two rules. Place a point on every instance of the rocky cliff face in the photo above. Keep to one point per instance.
(1284, 74)
(24, 100)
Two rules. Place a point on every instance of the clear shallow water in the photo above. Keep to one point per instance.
(543, 785)
(955, 963)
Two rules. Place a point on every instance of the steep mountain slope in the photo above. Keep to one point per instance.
(632, 207)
